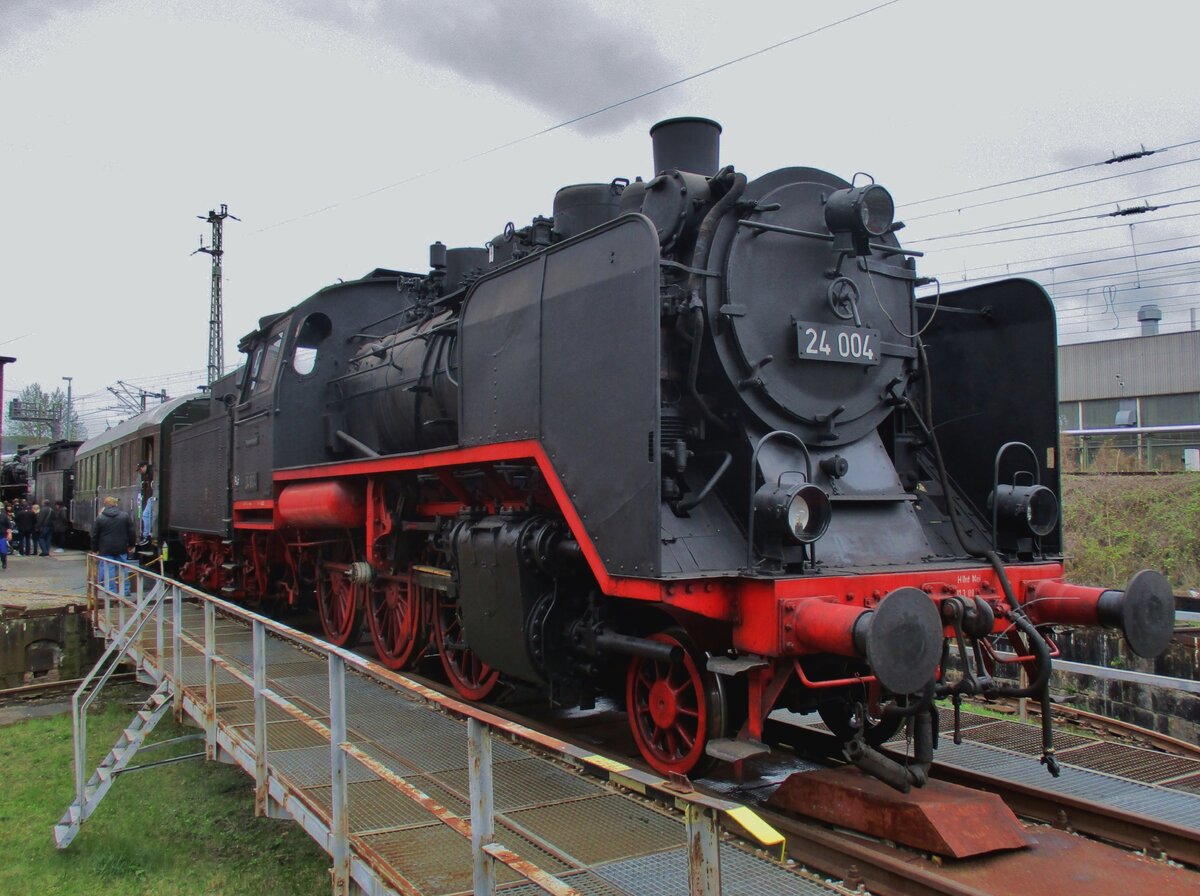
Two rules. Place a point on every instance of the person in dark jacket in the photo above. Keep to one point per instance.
(60, 525)
(26, 521)
(113, 538)
(45, 514)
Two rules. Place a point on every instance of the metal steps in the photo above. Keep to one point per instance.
(118, 758)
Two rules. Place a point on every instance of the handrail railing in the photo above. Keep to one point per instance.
(110, 660)
(701, 811)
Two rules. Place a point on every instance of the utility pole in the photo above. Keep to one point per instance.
(132, 398)
(3, 361)
(216, 337)
(69, 426)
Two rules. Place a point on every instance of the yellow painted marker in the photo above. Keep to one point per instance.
(759, 829)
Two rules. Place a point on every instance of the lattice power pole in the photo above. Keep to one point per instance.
(216, 335)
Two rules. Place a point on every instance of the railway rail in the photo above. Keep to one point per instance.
(1106, 727)
(1051, 814)
(1132, 830)
(42, 688)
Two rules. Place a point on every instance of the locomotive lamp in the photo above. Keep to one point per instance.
(1026, 508)
(800, 512)
(856, 215)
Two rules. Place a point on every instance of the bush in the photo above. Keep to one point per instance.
(1117, 525)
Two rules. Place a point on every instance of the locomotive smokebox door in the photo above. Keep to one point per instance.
(811, 338)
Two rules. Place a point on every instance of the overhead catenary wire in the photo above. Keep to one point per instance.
(1004, 228)
(1084, 315)
(1129, 293)
(1058, 189)
(1096, 320)
(1033, 177)
(1048, 236)
(1079, 264)
(1141, 197)
(1158, 282)
(1103, 276)
(1007, 266)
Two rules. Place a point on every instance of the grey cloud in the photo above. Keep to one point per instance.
(566, 59)
(20, 17)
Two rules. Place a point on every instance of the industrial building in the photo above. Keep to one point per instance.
(1131, 404)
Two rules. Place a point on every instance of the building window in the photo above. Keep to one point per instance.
(1171, 410)
(1100, 413)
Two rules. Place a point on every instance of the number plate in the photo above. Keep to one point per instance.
(849, 345)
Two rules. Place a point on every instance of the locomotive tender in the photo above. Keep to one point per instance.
(690, 442)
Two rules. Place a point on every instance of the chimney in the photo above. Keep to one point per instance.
(687, 144)
(1149, 316)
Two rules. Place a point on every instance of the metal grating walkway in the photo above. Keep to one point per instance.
(1113, 774)
(387, 775)
(1149, 782)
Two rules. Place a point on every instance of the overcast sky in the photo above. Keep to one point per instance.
(351, 135)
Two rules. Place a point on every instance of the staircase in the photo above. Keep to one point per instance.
(89, 793)
(118, 758)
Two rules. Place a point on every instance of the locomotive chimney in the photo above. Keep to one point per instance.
(687, 144)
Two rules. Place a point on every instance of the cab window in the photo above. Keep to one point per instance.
(309, 336)
(261, 373)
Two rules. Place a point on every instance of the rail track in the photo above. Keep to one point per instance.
(1109, 834)
(42, 688)
(1131, 830)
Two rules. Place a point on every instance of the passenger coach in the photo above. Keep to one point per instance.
(108, 465)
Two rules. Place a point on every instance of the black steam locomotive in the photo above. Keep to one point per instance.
(691, 442)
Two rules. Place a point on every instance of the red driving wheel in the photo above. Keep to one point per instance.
(674, 708)
(394, 618)
(471, 676)
(338, 604)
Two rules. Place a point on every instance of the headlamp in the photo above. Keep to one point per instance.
(857, 214)
(1032, 508)
(799, 512)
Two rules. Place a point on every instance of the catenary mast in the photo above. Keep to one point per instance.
(216, 336)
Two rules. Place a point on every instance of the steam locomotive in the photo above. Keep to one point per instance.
(691, 442)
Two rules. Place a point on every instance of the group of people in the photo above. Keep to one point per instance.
(30, 529)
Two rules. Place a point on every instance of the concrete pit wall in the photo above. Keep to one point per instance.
(54, 644)
(1165, 710)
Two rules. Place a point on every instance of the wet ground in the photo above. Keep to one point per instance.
(37, 583)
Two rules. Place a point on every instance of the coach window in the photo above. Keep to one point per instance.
(308, 339)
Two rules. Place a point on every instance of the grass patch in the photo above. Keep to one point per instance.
(186, 828)
(1117, 525)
